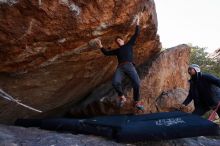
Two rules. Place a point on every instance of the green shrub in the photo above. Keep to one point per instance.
(200, 56)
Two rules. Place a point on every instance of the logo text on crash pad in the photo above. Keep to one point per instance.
(169, 122)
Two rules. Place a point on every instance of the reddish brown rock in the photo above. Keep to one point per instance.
(47, 57)
(167, 71)
(171, 100)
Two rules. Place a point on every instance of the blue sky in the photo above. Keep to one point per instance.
(189, 21)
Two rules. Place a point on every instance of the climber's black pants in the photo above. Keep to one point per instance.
(129, 70)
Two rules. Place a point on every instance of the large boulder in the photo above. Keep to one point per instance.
(167, 71)
(48, 59)
(171, 100)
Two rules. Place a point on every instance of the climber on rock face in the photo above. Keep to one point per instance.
(125, 66)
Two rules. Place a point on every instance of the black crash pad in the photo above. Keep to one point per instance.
(131, 128)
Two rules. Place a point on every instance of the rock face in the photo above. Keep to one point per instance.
(16, 136)
(215, 55)
(171, 99)
(48, 59)
(167, 71)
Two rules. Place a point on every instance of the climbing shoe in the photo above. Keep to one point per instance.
(139, 106)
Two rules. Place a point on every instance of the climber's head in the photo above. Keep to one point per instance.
(119, 40)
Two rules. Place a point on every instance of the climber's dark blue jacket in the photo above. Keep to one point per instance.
(125, 52)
